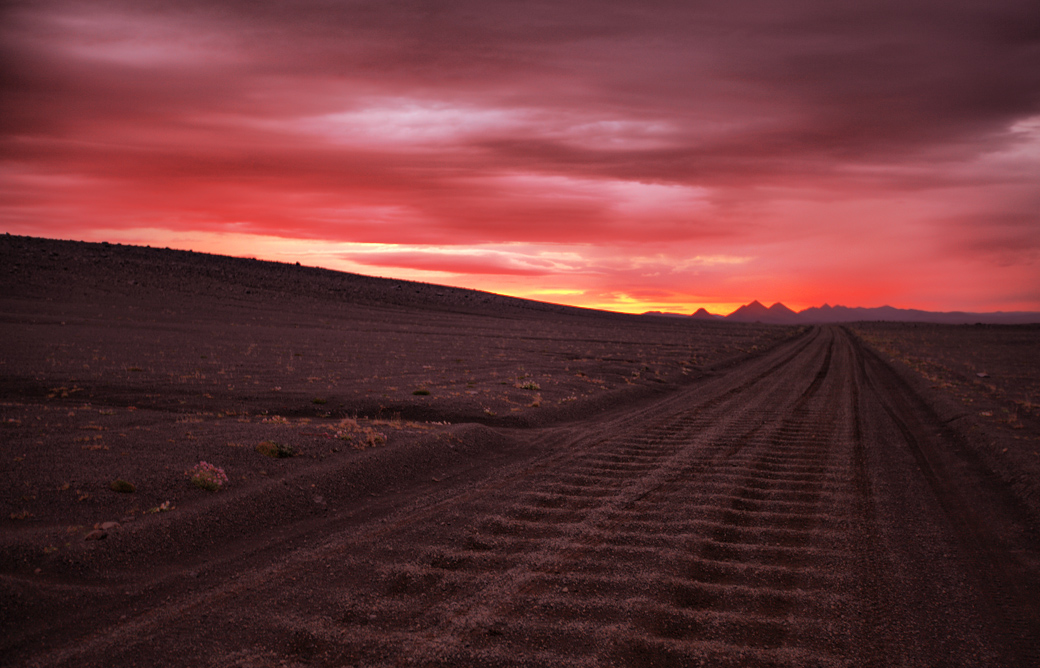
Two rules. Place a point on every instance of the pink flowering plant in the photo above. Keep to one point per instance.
(207, 476)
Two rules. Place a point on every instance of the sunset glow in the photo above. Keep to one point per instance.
(619, 155)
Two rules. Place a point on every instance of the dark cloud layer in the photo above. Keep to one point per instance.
(674, 128)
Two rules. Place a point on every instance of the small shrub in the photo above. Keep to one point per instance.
(207, 476)
(319, 401)
(347, 426)
(421, 392)
(361, 437)
(530, 385)
(122, 486)
(275, 450)
(364, 437)
(375, 437)
(369, 438)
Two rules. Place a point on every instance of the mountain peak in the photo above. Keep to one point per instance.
(754, 308)
(756, 312)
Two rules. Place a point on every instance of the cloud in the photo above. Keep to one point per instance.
(460, 261)
(1001, 237)
(820, 141)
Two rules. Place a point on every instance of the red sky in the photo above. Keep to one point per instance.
(624, 155)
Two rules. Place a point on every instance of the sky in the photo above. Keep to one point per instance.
(631, 156)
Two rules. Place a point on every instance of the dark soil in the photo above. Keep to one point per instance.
(576, 487)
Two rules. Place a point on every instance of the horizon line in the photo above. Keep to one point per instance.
(693, 308)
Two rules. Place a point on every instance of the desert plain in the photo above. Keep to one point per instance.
(476, 480)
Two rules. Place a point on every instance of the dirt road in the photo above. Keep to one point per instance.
(803, 508)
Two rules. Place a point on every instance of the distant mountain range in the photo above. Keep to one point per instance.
(778, 314)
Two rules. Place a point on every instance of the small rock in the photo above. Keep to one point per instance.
(122, 486)
(109, 526)
(982, 374)
(320, 500)
(96, 534)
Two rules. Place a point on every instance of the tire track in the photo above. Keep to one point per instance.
(694, 536)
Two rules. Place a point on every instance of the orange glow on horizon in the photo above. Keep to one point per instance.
(570, 290)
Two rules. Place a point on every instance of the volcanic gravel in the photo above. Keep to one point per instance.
(568, 487)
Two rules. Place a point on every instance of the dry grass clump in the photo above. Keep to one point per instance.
(360, 437)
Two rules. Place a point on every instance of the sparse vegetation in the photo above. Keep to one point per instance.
(207, 476)
(275, 450)
(421, 392)
(358, 436)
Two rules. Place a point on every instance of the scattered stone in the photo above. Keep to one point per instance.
(109, 526)
(982, 374)
(96, 534)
